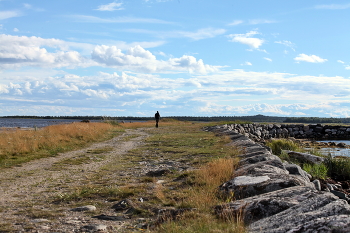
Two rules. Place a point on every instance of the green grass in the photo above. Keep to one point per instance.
(317, 171)
(338, 168)
(335, 168)
(277, 145)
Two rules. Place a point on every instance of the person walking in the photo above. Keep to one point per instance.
(157, 116)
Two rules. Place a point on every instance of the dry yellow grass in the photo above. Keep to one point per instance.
(18, 145)
(208, 178)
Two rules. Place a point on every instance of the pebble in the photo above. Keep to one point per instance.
(96, 227)
(84, 208)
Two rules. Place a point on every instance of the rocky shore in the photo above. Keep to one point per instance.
(275, 196)
(300, 131)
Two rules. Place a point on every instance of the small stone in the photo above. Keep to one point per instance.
(84, 208)
(96, 227)
(317, 184)
(38, 220)
(123, 205)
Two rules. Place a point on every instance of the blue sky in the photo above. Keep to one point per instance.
(178, 57)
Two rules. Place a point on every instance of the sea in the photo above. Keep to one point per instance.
(336, 151)
(333, 151)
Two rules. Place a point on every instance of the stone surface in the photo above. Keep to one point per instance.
(304, 215)
(305, 157)
(317, 184)
(260, 206)
(272, 196)
(260, 131)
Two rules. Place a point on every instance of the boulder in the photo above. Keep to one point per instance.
(311, 215)
(272, 196)
(261, 206)
(305, 157)
(248, 186)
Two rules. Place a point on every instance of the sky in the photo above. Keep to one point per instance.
(178, 57)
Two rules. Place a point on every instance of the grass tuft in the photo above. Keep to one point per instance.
(338, 168)
(277, 145)
(317, 171)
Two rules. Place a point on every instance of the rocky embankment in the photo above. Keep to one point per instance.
(312, 131)
(275, 196)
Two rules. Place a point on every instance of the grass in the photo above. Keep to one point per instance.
(174, 141)
(335, 168)
(20, 146)
(317, 171)
(338, 168)
(278, 145)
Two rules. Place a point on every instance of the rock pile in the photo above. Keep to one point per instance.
(312, 131)
(275, 196)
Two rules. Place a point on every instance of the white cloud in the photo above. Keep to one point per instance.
(247, 63)
(9, 14)
(287, 44)
(15, 30)
(247, 39)
(17, 51)
(201, 33)
(260, 21)
(268, 59)
(111, 7)
(223, 92)
(309, 58)
(340, 61)
(236, 22)
(30, 7)
(94, 19)
(139, 59)
(333, 6)
(251, 22)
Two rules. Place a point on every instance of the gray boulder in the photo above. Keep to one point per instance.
(261, 206)
(305, 157)
(315, 214)
(248, 186)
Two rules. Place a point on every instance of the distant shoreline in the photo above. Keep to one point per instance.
(255, 118)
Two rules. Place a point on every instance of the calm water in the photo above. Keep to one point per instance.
(336, 151)
(29, 123)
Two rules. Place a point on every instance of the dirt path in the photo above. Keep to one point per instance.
(25, 190)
